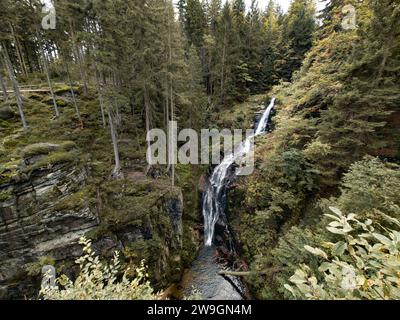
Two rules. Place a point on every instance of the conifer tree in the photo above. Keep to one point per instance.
(298, 34)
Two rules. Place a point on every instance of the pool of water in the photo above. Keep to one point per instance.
(203, 279)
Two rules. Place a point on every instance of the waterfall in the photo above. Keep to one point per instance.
(212, 205)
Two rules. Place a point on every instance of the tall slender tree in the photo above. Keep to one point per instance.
(14, 81)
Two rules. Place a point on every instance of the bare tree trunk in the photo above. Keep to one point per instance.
(78, 56)
(101, 100)
(3, 88)
(19, 51)
(171, 102)
(46, 70)
(117, 168)
(223, 68)
(82, 70)
(147, 115)
(78, 113)
(248, 273)
(167, 117)
(17, 93)
(172, 136)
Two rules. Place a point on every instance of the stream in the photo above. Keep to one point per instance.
(204, 277)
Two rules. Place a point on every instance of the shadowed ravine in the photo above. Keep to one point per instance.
(204, 272)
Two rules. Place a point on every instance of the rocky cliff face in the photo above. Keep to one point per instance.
(45, 211)
(32, 227)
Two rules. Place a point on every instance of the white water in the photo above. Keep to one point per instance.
(212, 204)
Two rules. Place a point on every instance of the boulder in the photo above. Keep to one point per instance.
(6, 113)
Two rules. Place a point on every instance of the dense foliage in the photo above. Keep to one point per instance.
(100, 281)
(136, 65)
(363, 265)
(336, 144)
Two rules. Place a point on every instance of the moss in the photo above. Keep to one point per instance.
(39, 149)
(241, 115)
(98, 232)
(121, 204)
(61, 102)
(42, 148)
(52, 159)
(8, 171)
(5, 195)
(63, 88)
(188, 178)
(35, 96)
(6, 113)
(47, 100)
(123, 208)
(35, 268)
(85, 197)
(68, 145)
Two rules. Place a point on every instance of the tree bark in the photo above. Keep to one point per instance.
(247, 273)
(78, 113)
(19, 51)
(3, 88)
(46, 70)
(147, 116)
(117, 168)
(171, 101)
(17, 93)
(223, 69)
(79, 58)
(101, 100)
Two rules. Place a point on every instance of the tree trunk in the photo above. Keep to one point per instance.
(172, 135)
(78, 57)
(101, 100)
(3, 88)
(17, 93)
(171, 103)
(247, 273)
(167, 117)
(147, 115)
(19, 51)
(46, 70)
(117, 168)
(78, 113)
(223, 69)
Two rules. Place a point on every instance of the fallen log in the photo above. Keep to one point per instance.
(247, 273)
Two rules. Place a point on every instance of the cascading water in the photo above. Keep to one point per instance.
(213, 207)
(203, 275)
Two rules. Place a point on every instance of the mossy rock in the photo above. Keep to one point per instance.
(41, 148)
(51, 160)
(44, 148)
(8, 171)
(35, 96)
(5, 195)
(85, 197)
(6, 113)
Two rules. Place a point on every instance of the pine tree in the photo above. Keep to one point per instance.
(298, 34)
(195, 22)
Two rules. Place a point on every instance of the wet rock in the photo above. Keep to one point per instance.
(202, 183)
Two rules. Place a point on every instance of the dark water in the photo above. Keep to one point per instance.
(205, 280)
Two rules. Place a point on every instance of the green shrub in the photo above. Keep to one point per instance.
(100, 281)
(363, 264)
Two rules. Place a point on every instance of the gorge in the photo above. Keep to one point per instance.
(206, 279)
